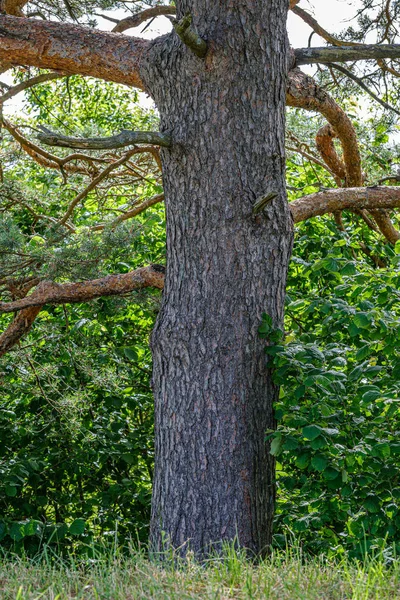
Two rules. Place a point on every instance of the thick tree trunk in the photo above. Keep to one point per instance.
(214, 477)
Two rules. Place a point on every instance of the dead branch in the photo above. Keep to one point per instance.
(334, 54)
(121, 140)
(141, 17)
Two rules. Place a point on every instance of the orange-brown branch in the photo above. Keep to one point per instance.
(353, 199)
(72, 49)
(303, 92)
(18, 328)
(48, 292)
(326, 148)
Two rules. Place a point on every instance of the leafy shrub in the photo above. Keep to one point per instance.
(338, 437)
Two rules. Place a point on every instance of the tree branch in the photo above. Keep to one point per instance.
(352, 199)
(24, 85)
(125, 138)
(136, 210)
(362, 85)
(48, 292)
(19, 327)
(141, 17)
(72, 49)
(303, 92)
(332, 54)
(313, 23)
(189, 37)
(94, 183)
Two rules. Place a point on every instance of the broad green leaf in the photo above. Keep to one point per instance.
(311, 432)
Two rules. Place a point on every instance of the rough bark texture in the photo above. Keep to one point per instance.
(214, 477)
(73, 49)
(303, 92)
(353, 199)
(324, 55)
(63, 293)
(19, 327)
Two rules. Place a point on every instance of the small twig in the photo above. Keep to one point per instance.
(365, 88)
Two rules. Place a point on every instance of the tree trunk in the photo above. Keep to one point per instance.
(214, 476)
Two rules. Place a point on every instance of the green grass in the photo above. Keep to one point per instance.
(284, 576)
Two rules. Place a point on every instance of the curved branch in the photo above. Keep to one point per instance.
(307, 18)
(72, 49)
(326, 148)
(18, 328)
(303, 92)
(125, 138)
(353, 199)
(385, 225)
(141, 17)
(48, 292)
(24, 85)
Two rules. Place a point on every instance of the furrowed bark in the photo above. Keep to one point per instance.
(214, 475)
(72, 49)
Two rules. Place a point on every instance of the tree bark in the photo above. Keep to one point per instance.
(72, 49)
(214, 476)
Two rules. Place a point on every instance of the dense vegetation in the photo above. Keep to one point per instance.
(76, 410)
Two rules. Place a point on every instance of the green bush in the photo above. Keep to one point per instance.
(338, 437)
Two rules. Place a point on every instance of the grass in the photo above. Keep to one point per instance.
(284, 576)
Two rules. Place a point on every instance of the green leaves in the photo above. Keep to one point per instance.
(77, 527)
(311, 432)
(338, 437)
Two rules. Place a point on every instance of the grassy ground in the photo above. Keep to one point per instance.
(284, 576)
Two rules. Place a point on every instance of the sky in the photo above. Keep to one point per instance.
(333, 15)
